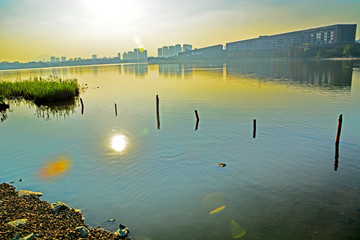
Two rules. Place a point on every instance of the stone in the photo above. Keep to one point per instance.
(17, 236)
(29, 193)
(111, 220)
(83, 231)
(28, 237)
(58, 206)
(122, 232)
(79, 211)
(17, 222)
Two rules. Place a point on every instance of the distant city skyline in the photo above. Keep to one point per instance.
(36, 30)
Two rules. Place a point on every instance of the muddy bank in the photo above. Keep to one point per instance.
(24, 216)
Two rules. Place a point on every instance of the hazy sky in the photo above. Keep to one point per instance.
(37, 29)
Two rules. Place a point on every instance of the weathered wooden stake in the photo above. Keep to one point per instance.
(157, 112)
(82, 106)
(338, 131)
(254, 128)
(197, 120)
(115, 110)
(337, 142)
(336, 163)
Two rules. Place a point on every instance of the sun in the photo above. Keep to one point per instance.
(118, 143)
(109, 12)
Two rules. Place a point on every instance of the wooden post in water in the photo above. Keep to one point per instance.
(254, 128)
(115, 110)
(197, 120)
(82, 106)
(157, 112)
(337, 142)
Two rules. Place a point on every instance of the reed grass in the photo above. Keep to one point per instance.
(40, 90)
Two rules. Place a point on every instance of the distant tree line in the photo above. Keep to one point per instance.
(349, 50)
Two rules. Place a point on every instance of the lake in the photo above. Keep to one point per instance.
(165, 183)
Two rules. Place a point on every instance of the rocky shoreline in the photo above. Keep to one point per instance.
(23, 216)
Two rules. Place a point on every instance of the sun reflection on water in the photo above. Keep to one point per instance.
(118, 143)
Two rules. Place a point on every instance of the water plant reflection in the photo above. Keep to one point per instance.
(3, 115)
(56, 110)
(118, 143)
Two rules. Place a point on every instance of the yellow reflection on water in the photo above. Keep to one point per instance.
(55, 167)
(236, 230)
(217, 210)
(118, 143)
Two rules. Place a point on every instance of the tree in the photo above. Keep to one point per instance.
(352, 50)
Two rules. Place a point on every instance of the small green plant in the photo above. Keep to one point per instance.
(40, 90)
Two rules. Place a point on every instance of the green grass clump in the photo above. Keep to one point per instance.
(39, 90)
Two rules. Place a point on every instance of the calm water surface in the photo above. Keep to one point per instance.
(165, 184)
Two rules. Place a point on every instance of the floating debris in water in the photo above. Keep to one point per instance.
(217, 210)
(20, 180)
(56, 168)
(111, 220)
(236, 230)
(221, 164)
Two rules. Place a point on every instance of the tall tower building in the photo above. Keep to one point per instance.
(165, 51)
(136, 53)
(52, 59)
(178, 49)
(160, 52)
(171, 51)
(187, 47)
(143, 55)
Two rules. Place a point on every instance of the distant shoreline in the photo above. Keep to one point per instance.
(86, 62)
(150, 61)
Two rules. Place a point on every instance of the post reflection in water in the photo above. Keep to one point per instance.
(119, 143)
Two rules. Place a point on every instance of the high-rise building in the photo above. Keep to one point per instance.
(94, 56)
(57, 59)
(165, 51)
(119, 56)
(171, 51)
(178, 49)
(52, 59)
(160, 52)
(187, 47)
(136, 53)
(142, 55)
(63, 59)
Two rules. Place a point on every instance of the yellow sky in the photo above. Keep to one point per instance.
(37, 29)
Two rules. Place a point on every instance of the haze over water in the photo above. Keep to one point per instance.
(165, 184)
